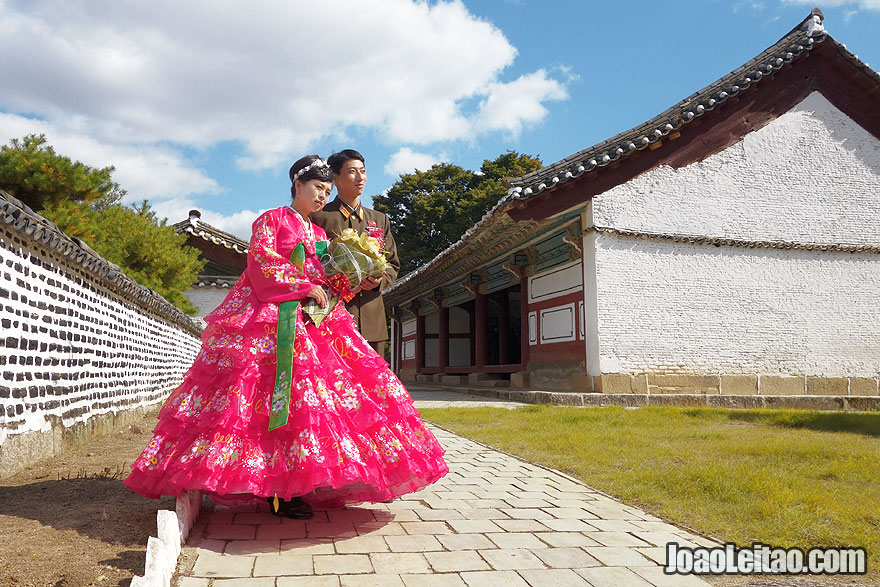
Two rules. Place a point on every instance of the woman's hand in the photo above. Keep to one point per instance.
(319, 295)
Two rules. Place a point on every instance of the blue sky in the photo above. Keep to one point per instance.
(205, 104)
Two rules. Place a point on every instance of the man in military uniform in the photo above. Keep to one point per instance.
(346, 211)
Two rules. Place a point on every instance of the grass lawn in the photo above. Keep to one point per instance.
(780, 477)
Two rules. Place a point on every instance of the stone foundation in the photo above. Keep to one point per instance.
(568, 375)
(657, 384)
(567, 379)
(21, 450)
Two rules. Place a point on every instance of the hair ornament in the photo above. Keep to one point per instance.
(317, 163)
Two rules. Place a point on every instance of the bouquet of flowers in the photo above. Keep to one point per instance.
(349, 259)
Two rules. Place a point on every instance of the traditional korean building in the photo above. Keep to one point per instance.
(730, 245)
(226, 257)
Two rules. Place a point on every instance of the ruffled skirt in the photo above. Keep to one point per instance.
(352, 436)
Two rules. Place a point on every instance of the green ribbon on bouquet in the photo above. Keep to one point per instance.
(279, 408)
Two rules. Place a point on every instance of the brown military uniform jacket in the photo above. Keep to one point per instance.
(367, 307)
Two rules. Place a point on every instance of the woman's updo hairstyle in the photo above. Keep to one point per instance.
(309, 167)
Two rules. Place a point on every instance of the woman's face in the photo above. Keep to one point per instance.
(313, 194)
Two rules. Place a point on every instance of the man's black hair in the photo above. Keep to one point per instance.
(336, 160)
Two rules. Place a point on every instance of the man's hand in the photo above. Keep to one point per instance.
(370, 283)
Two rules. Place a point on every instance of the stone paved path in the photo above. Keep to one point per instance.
(494, 521)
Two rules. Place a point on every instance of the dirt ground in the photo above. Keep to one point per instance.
(69, 522)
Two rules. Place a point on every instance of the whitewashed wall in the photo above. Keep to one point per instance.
(685, 308)
(73, 348)
(811, 176)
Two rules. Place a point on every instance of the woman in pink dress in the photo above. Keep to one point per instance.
(342, 429)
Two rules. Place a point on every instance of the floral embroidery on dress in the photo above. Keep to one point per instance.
(197, 450)
(349, 417)
(263, 345)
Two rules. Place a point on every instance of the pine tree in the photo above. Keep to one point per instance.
(430, 210)
(84, 203)
(31, 171)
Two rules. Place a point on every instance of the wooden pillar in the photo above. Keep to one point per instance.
(524, 319)
(479, 331)
(472, 329)
(420, 343)
(397, 321)
(443, 339)
(503, 326)
(395, 339)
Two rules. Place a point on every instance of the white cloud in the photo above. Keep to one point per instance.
(146, 171)
(177, 209)
(238, 224)
(406, 161)
(511, 106)
(275, 76)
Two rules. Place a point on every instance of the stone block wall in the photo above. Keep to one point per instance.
(206, 299)
(736, 385)
(81, 344)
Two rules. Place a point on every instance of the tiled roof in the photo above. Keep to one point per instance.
(196, 227)
(479, 242)
(219, 281)
(794, 45)
(44, 234)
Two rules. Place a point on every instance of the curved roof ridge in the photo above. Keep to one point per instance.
(796, 43)
(195, 226)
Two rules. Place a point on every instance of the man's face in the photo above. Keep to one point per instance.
(351, 179)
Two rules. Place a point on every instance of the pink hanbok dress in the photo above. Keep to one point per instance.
(352, 434)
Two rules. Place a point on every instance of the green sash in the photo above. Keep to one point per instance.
(279, 408)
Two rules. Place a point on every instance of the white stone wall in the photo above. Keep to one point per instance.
(812, 175)
(703, 309)
(72, 349)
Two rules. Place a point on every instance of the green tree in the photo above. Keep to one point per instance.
(430, 210)
(31, 171)
(84, 203)
(147, 250)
